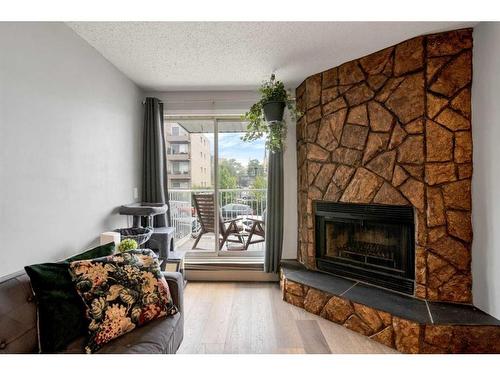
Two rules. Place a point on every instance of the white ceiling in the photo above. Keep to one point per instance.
(173, 56)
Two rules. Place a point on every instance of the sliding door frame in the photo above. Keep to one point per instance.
(216, 253)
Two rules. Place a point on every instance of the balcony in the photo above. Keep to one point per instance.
(242, 204)
(182, 156)
(179, 175)
(178, 138)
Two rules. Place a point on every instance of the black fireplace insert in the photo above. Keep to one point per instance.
(370, 243)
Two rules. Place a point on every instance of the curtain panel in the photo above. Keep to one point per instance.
(154, 168)
(274, 210)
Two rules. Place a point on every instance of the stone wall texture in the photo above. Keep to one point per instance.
(394, 127)
(404, 335)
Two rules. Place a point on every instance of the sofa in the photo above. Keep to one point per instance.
(18, 323)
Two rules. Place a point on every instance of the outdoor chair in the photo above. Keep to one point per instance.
(256, 229)
(205, 209)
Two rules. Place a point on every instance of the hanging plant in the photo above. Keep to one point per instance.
(265, 118)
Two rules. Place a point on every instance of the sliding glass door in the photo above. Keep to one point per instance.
(217, 187)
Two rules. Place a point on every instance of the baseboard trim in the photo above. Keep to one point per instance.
(230, 275)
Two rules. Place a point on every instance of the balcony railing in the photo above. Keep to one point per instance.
(178, 138)
(233, 203)
(179, 175)
(183, 156)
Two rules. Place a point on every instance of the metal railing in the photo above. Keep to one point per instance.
(178, 173)
(233, 203)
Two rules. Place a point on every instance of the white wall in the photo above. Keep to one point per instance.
(486, 176)
(70, 143)
(237, 103)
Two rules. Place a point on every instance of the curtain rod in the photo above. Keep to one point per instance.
(174, 117)
(144, 102)
(211, 101)
(207, 101)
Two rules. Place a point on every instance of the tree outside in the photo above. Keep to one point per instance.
(227, 178)
(260, 183)
(233, 175)
(255, 168)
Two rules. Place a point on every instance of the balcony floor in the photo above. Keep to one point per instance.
(207, 244)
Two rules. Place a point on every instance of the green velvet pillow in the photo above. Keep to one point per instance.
(61, 311)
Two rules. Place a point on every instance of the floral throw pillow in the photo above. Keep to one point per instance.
(121, 292)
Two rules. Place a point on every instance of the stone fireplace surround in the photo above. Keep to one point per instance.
(394, 128)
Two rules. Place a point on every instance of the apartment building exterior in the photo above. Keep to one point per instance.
(188, 158)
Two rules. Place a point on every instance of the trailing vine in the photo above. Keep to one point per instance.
(258, 127)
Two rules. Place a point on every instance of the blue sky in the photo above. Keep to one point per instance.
(232, 147)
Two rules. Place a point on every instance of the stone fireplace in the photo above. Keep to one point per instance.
(371, 243)
(393, 128)
(384, 154)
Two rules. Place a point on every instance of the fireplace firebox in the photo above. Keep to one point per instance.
(370, 243)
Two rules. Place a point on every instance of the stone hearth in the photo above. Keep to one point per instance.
(407, 324)
(394, 127)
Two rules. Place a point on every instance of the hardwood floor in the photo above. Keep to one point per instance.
(250, 318)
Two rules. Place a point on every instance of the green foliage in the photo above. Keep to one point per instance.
(260, 182)
(227, 180)
(254, 168)
(127, 244)
(233, 166)
(258, 197)
(273, 91)
(257, 127)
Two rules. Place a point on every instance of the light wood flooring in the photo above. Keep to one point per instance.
(251, 317)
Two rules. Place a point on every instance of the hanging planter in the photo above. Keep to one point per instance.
(265, 118)
(274, 111)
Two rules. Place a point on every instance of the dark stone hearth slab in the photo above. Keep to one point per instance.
(391, 302)
(288, 264)
(394, 303)
(321, 281)
(449, 313)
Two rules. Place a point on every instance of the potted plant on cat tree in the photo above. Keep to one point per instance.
(265, 118)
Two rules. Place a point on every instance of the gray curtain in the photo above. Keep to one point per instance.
(154, 167)
(274, 210)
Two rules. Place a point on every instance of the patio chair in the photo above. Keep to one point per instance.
(205, 205)
(256, 229)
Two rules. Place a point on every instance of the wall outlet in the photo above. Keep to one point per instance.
(136, 193)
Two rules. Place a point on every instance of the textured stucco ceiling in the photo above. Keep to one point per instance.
(166, 56)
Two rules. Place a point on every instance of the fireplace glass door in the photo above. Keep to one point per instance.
(366, 243)
(371, 243)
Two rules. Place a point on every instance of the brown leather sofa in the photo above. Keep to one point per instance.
(18, 330)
